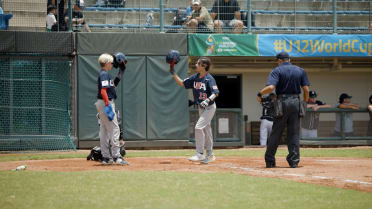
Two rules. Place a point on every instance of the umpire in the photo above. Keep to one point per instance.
(287, 80)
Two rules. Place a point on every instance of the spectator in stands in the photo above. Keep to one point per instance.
(310, 123)
(77, 15)
(1, 8)
(369, 107)
(226, 13)
(51, 22)
(345, 103)
(189, 9)
(200, 21)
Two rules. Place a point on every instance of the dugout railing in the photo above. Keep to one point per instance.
(359, 137)
(227, 126)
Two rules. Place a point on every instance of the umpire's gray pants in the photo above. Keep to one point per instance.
(109, 132)
(203, 130)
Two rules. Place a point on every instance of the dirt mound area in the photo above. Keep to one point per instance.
(350, 173)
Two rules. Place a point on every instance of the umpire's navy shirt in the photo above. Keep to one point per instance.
(105, 81)
(288, 79)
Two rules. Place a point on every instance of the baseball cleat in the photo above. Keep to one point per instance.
(106, 161)
(208, 159)
(121, 161)
(197, 157)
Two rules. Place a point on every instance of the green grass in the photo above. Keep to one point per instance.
(143, 189)
(258, 152)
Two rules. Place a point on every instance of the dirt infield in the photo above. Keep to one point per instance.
(349, 173)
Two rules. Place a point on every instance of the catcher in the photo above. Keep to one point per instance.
(205, 91)
(109, 132)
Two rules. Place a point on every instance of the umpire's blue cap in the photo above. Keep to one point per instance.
(282, 55)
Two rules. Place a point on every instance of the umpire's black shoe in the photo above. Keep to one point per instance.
(270, 165)
(294, 165)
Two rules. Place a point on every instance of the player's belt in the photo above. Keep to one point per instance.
(102, 99)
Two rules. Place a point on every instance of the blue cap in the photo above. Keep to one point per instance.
(312, 94)
(282, 55)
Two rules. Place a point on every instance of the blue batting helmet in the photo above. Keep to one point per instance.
(119, 59)
(173, 55)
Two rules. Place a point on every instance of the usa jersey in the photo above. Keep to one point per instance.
(105, 81)
(202, 88)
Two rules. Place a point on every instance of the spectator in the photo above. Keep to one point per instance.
(369, 107)
(310, 123)
(267, 117)
(51, 22)
(77, 15)
(200, 20)
(345, 103)
(189, 9)
(226, 13)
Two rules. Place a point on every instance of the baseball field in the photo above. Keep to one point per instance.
(327, 178)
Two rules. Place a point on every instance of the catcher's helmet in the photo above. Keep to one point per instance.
(119, 59)
(173, 54)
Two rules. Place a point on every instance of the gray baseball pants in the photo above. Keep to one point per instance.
(265, 130)
(109, 132)
(203, 130)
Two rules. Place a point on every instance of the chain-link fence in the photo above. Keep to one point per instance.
(35, 107)
(209, 16)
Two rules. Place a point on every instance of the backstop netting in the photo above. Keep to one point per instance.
(35, 103)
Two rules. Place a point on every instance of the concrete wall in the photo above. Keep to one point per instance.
(27, 14)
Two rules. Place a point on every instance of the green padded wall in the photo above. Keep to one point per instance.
(167, 103)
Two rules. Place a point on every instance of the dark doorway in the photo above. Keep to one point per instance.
(230, 91)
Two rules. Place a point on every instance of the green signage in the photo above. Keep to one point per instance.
(222, 45)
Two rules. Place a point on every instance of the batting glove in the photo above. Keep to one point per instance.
(109, 112)
(204, 103)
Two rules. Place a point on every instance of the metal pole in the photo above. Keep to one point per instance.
(342, 125)
(69, 16)
(139, 12)
(334, 7)
(295, 20)
(161, 15)
(249, 17)
(369, 18)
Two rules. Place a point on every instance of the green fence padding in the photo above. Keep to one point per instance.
(60, 43)
(167, 103)
(130, 43)
(35, 107)
(131, 100)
